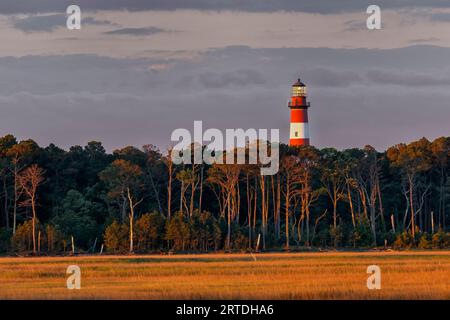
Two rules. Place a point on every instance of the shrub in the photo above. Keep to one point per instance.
(22, 240)
(205, 231)
(149, 231)
(362, 236)
(424, 242)
(336, 235)
(404, 240)
(54, 240)
(116, 237)
(441, 240)
(239, 238)
(178, 232)
(82, 227)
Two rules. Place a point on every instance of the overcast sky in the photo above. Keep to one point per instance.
(137, 70)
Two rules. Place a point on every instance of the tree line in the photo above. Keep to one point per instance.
(84, 199)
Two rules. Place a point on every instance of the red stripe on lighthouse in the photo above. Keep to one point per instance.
(299, 115)
(299, 142)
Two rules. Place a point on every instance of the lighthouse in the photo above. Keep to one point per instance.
(299, 133)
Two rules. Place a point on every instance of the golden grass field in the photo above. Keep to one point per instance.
(331, 275)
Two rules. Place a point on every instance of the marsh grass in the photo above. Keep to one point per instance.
(405, 275)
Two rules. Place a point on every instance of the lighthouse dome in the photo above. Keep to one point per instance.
(299, 83)
(299, 89)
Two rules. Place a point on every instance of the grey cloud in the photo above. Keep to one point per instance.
(407, 78)
(424, 40)
(41, 23)
(148, 31)
(78, 73)
(234, 78)
(95, 22)
(316, 6)
(48, 23)
(439, 17)
(355, 25)
(325, 77)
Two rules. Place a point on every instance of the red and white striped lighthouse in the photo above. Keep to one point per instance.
(299, 134)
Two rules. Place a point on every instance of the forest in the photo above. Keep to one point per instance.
(86, 200)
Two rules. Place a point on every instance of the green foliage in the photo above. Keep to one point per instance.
(201, 232)
(362, 235)
(74, 219)
(205, 231)
(178, 232)
(54, 240)
(116, 238)
(149, 232)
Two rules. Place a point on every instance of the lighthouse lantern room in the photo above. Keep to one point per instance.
(299, 133)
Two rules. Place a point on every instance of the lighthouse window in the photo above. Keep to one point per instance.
(298, 91)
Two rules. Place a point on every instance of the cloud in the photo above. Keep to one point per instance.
(94, 22)
(148, 31)
(424, 40)
(439, 17)
(355, 25)
(40, 23)
(234, 78)
(407, 78)
(316, 6)
(48, 23)
(325, 77)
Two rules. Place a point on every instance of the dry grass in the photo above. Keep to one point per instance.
(405, 275)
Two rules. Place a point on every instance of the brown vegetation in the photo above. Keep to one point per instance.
(333, 275)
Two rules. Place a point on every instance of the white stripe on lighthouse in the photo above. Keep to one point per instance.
(299, 130)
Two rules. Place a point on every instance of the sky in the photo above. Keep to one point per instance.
(137, 70)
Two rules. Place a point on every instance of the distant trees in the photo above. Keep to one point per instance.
(226, 178)
(123, 179)
(138, 200)
(75, 217)
(413, 160)
(29, 180)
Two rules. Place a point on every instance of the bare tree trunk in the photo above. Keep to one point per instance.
(288, 194)
(263, 210)
(274, 203)
(249, 212)
(413, 225)
(15, 198)
(181, 196)
(201, 189)
(278, 206)
(228, 222)
(255, 206)
(191, 202)
(33, 222)
(169, 186)
(350, 201)
(133, 205)
(130, 199)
